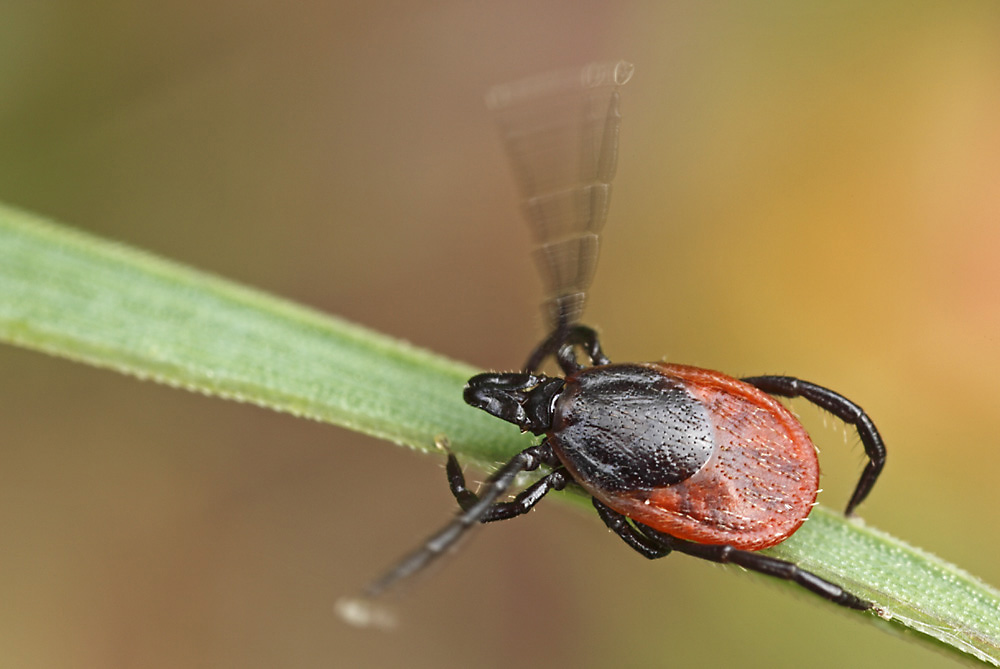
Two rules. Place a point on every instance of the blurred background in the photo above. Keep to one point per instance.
(800, 190)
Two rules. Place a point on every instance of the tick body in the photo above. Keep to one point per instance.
(686, 451)
(674, 458)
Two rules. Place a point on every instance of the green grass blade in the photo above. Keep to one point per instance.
(74, 295)
(916, 592)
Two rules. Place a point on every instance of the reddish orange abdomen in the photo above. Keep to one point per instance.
(760, 474)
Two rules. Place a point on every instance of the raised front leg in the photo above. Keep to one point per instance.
(842, 408)
(561, 343)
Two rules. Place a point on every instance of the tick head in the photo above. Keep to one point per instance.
(520, 398)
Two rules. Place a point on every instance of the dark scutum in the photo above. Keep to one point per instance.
(629, 427)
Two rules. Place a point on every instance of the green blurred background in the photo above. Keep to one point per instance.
(801, 190)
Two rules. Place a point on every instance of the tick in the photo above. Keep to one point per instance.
(674, 458)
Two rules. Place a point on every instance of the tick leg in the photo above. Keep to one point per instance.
(653, 544)
(561, 343)
(842, 408)
(527, 460)
(619, 524)
(763, 564)
(456, 482)
(522, 503)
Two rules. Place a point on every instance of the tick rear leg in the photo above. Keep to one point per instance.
(842, 408)
(653, 544)
(763, 564)
(522, 503)
(638, 541)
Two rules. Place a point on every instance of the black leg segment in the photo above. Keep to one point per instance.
(520, 505)
(456, 483)
(527, 460)
(763, 564)
(639, 542)
(561, 343)
(653, 544)
(842, 408)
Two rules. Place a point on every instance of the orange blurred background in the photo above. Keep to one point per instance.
(800, 190)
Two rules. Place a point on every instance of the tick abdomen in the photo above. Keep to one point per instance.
(690, 452)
